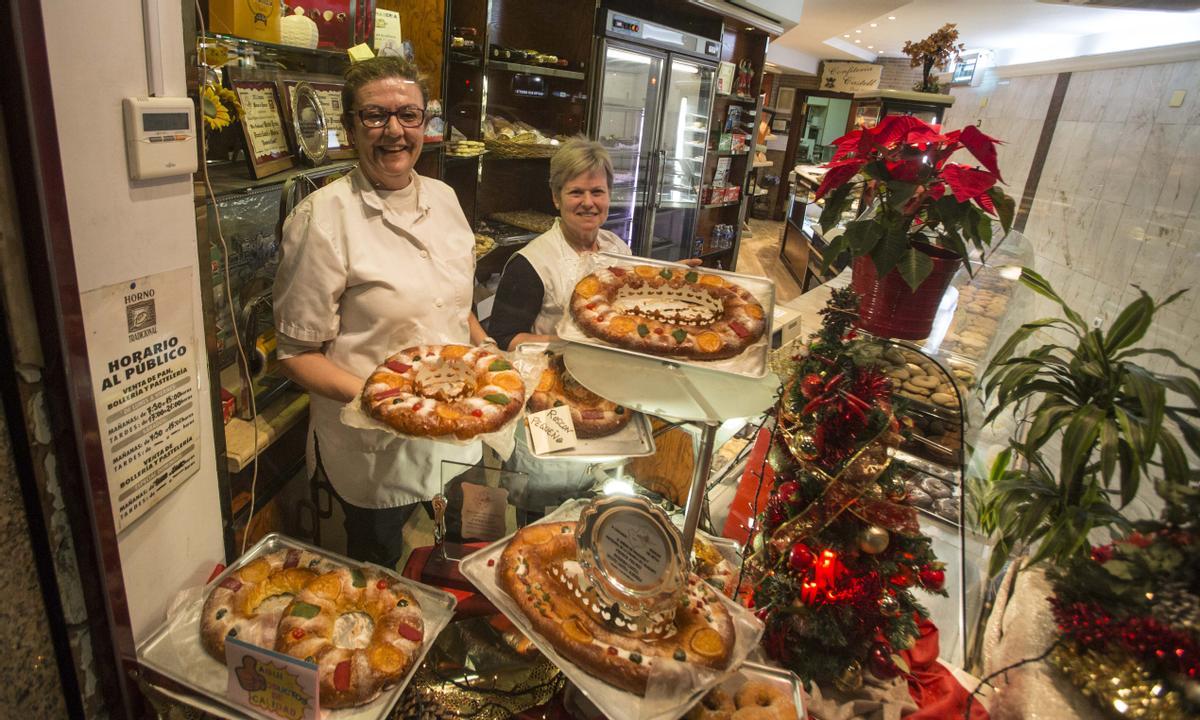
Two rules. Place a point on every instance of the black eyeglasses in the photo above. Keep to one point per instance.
(409, 117)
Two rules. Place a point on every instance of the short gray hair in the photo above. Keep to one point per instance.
(365, 72)
(576, 157)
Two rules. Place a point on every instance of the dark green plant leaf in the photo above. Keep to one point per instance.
(1175, 464)
(900, 192)
(835, 204)
(1042, 287)
(836, 247)
(1161, 353)
(1110, 446)
(1151, 398)
(1006, 207)
(1046, 420)
(1131, 325)
(1078, 439)
(887, 252)
(914, 267)
(862, 236)
(1184, 386)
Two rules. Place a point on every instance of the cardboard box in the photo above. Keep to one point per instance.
(250, 19)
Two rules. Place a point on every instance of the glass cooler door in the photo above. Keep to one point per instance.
(682, 142)
(629, 98)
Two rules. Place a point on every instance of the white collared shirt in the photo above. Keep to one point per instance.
(559, 267)
(366, 277)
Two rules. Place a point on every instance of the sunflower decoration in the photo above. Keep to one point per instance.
(221, 106)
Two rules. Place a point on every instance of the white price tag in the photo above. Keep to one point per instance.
(551, 430)
(483, 512)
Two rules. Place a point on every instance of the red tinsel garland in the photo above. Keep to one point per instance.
(1150, 640)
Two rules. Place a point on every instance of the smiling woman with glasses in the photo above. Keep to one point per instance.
(380, 260)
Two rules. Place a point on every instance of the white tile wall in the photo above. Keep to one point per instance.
(1117, 201)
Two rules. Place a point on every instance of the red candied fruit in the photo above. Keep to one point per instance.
(298, 633)
(477, 413)
(382, 584)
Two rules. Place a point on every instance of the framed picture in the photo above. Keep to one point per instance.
(263, 126)
(779, 125)
(329, 92)
(785, 99)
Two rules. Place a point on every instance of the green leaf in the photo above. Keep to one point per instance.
(953, 242)
(1161, 353)
(914, 267)
(1077, 442)
(1045, 421)
(835, 204)
(1131, 325)
(862, 235)
(1006, 207)
(1110, 446)
(1120, 569)
(899, 192)
(1151, 398)
(836, 247)
(1175, 464)
(888, 252)
(1042, 287)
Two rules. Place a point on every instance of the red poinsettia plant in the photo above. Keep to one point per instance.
(913, 196)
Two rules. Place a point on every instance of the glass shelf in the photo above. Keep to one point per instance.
(277, 48)
(535, 69)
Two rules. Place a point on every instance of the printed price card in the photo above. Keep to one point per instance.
(551, 430)
(270, 683)
(483, 512)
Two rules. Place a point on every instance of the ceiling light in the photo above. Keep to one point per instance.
(870, 47)
(858, 41)
(845, 36)
(874, 24)
(858, 31)
(891, 17)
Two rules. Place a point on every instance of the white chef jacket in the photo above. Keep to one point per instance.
(559, 267)
(365, 278)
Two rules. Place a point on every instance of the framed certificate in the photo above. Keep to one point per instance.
(263, 126)
(329, 94)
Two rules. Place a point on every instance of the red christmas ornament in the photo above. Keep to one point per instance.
(776, 515)
(801, 557)
(880, 663)
(789, 492)
(903, 578)
(932, 578)
(811, 385)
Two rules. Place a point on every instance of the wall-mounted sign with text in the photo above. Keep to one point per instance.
(850, 77)
(142, 351)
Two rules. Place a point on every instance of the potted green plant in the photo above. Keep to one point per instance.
(923, 212)
(1118, 422)
(934, 51)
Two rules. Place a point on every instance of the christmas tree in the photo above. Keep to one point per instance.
(837, 553)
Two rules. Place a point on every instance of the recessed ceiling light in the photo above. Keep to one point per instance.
(845, 36)
(891, 17)
(858, 41)
(870, 47)
(749, 28)
(874, 24)
(858, 31)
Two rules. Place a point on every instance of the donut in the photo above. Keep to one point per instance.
(671, 312)
(593, 415)
(327, 623)
(248, 602)
(716, 705)
(440, 390)
(758, 699)
(539, 571)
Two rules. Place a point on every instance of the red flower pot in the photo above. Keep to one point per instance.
(890, 308)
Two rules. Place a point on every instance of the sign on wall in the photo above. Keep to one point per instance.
(850, 77)
(142, 356)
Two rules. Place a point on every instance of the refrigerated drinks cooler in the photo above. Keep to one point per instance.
(656, 87)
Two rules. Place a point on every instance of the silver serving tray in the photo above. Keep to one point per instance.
(752, 363)
(174, 649)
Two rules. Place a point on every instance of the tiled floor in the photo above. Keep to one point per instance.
(759, 255)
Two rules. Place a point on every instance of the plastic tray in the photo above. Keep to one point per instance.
(752, 362)
(664, 700)
(636, 439)
(174, 648)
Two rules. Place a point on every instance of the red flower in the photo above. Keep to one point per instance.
(1102, 553)
(906, 170)
(982, 147)
(967, 183)
(839, 172)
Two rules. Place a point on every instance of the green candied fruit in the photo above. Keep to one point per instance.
(499, 365)
(635, 658)
(666, 274)
(680, 655)
(691, 277)
(620, 410)
(497, 398)
(679, 336)
(357, 577)
(643, 330)
(305, 610)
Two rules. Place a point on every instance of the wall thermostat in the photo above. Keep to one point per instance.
(160, 137)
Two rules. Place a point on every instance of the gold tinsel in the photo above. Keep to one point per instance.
(1120, 684)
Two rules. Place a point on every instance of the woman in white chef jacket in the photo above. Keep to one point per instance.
(377, 261)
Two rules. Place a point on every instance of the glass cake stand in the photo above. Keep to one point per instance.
(675, 392)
